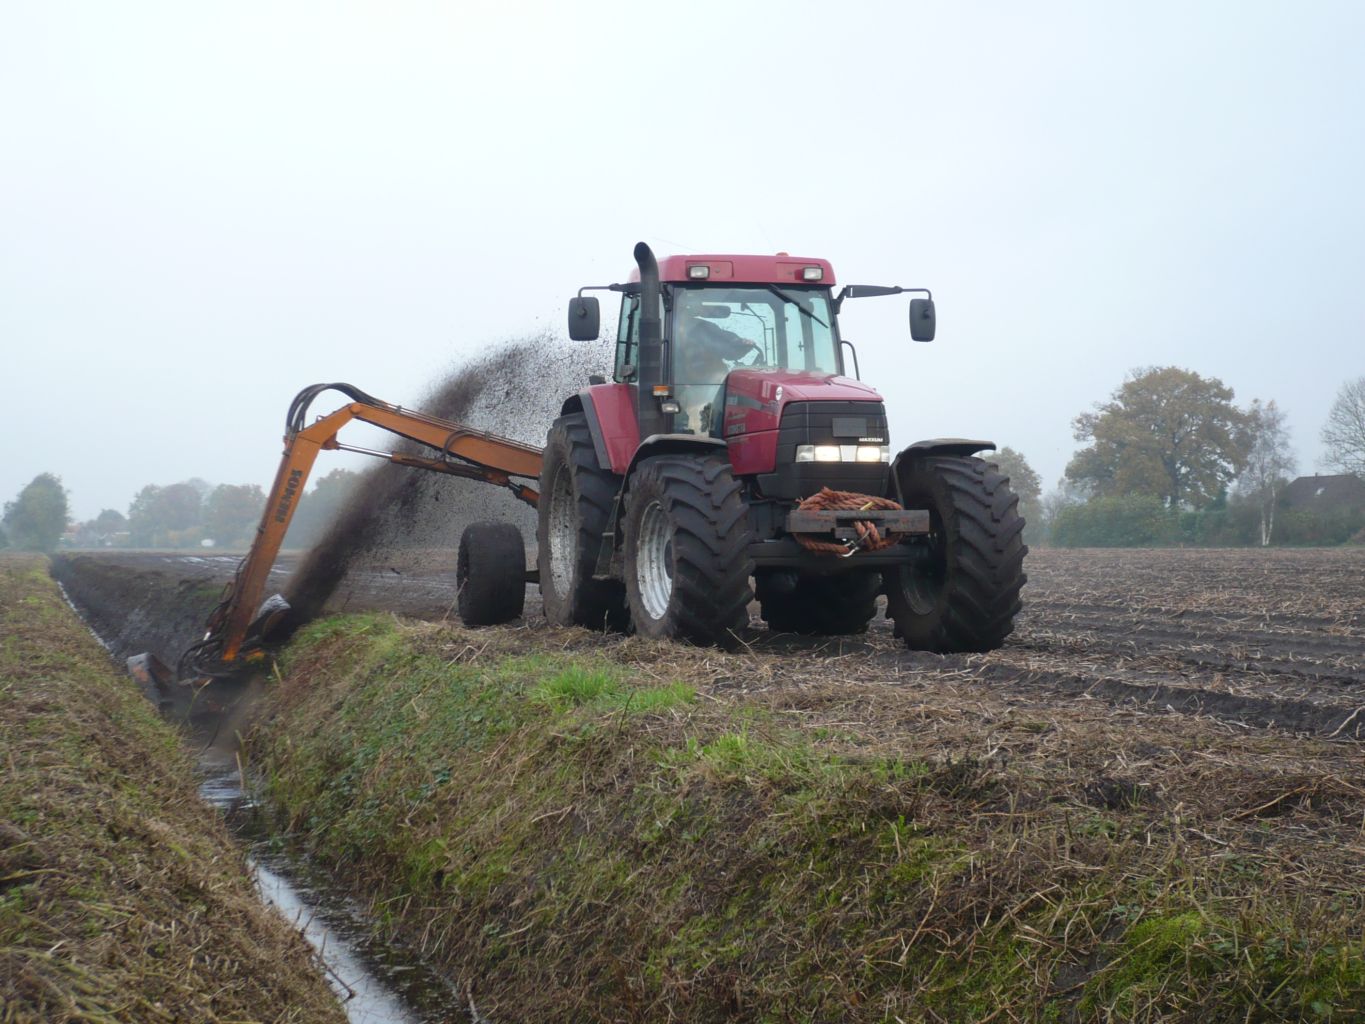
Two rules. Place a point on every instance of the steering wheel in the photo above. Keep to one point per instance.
(759, 359)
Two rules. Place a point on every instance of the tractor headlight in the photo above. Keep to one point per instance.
(843, 453)
(817, 453)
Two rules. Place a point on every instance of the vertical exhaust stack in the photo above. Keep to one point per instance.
(652, 419)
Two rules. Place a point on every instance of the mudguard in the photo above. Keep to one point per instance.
(673, 444)
(582, 402)
(612, 422)
(958, 446)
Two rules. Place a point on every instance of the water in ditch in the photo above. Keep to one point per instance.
(378, 982)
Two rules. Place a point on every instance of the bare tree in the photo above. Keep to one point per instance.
(1344, 432)
(1269, 463)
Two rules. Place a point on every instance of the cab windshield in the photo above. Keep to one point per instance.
(716, 330)
(751, 326)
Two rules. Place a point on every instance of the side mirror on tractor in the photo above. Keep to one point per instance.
(922, 319)
(585, 318)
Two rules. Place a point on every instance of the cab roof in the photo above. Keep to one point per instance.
(778, 269)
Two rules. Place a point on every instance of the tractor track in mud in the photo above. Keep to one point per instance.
(1188, 633)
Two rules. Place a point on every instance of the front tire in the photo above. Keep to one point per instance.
(964, 594)
(687, 538)
(576, 496)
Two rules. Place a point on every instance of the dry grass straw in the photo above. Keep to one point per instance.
(825, 833)
(121, 896)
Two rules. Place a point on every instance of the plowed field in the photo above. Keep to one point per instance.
(1256, 639)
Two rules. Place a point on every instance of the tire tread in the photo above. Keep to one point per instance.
(981, 597)
(711, 567)
(596, 604)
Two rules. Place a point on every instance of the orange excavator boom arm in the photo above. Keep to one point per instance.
(458, 451)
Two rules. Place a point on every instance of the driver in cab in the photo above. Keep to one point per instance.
(705, 354)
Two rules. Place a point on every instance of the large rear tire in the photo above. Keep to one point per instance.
(490, 573)
(687, 538)
(822, 605)
(964, 595)
(576, 496)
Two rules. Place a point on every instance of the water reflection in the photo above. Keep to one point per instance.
(377, 982)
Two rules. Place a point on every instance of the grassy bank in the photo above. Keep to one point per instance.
(121, 896)
(583, 828)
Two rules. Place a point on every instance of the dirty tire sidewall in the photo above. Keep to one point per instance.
(576, 497)
(490, 572)
(687, 536)
(966, 596)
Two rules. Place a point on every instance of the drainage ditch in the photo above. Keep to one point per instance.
(378, 983)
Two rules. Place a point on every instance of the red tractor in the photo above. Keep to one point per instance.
(731, 451)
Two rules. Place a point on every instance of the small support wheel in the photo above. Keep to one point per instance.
(490, 574)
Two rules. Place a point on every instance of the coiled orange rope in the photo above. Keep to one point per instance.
(869, 537)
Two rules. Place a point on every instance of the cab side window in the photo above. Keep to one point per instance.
(627, 338)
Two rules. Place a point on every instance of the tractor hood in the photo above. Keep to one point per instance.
(754, 398)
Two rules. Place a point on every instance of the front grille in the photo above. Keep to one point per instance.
(829, 423)
(826, 423)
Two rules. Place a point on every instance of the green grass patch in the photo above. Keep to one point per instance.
(604, 688)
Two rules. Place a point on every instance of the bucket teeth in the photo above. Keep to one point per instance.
(150, 672)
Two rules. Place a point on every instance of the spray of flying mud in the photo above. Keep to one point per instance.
(516, 391)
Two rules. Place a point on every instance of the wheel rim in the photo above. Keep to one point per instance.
(562, 534)
(923, 584)
(654, 561)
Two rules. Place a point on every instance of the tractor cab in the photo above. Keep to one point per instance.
(716, 347)
(712, 329)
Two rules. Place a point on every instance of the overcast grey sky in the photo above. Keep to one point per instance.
(204, 207)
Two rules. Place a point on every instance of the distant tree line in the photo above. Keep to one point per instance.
(189, 514)
(186, 514)
(1171, 459)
